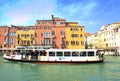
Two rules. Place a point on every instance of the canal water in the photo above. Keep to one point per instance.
(107, 71)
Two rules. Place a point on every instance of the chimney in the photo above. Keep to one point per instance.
(52, 18)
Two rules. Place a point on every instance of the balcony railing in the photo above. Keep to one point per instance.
(5, 42)
(53, 36)
(5, 34)
(46, 36)
(63, 36)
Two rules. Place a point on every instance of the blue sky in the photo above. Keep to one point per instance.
(90, 13)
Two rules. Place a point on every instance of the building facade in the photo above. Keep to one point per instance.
(109, 36)
(25, 37)
(87, 40)
(56, 33)
(51, 32)
(8, 37)
(74, 36)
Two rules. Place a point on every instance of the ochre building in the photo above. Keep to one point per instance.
(56, 33)
(74, 36)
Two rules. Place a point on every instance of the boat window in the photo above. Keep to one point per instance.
(75, 53)
(51, 53)
(83, 54)
(59, 53)
(67, 54)
(91, 53)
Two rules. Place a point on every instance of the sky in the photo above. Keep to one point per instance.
(92, 14)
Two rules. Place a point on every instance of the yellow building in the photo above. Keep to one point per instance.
(25, 37)
(74, 36)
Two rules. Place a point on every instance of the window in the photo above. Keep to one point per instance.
(91, 53)
(53, 33)
(42, 42)
(5, 32)
(67, 54)
(62, 41)
(75, 53)
(22, 35)
(53, 42)
(4, 45)
(81, 29)
(61, 22)
(18, 42)
(12, 33)
(32, 36)
(74, 29)
(48, 28)
(11, 41)
(80, 35)
(46, 42)
(46, 34)
(72, 42)
(82, 43)
(32, 41)
(83, 54)
(77, 43)
(41, 34)
(74, 35)
(51, 53)
(62, 33)
(56, 22)
(59, 53)
(4, 39)
(67, 42)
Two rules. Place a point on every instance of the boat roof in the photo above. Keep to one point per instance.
(73, 49)
(53, 49)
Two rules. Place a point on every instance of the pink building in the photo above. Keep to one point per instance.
(51, 32)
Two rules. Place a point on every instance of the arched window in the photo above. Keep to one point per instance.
(53, 33)
(62, 33)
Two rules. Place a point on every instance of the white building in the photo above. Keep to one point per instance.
(107, 38)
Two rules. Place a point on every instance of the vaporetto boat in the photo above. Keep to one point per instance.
(55, 56)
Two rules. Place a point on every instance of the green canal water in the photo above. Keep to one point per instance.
(107, 71)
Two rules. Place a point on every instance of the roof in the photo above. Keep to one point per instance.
(87, 34)
(72, 22)
(116, 23)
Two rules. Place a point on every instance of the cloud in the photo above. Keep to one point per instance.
(24, 11)
(79, 9)
(90, 13)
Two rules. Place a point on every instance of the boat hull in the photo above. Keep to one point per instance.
(42, 62)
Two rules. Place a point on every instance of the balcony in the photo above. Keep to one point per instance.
(62, 36)
(53, 45)
(5, 42)
(46, 36)
(53, 36)
(5, 34)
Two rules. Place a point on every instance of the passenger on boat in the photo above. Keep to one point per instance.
(41, 53)
(32, 55)
(24, 55)
(44, 53)
(36, 54)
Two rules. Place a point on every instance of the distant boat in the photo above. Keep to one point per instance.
(56, 56)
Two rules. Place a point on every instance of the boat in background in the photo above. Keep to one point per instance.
(31, 55)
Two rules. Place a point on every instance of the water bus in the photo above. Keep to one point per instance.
(55, 55)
